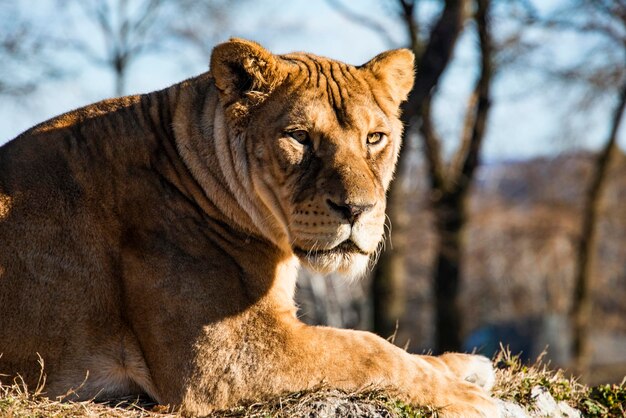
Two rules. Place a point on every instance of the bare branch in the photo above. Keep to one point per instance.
(101, 15)
(407, 9)
(365, 21)
(27, 53)
(146, 20)
(432, 149)
(597, 27)
(435, 58)
(582, 298)
(466, 135)
(483, 103)
(84, 50)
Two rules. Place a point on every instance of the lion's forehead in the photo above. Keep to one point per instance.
(312, 111)
(319, 71)
(332, 90)
(335, 104)
(318, 116)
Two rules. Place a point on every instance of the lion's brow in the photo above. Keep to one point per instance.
(330, 79)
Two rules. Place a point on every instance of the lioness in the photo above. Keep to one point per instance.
(149, 244)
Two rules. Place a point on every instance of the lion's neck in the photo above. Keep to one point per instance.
(215, 159)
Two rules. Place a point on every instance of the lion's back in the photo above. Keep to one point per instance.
(57, 242)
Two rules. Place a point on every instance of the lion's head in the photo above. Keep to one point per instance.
(320, 139)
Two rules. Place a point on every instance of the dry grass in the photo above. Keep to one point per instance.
(17, 402)
(515, 381)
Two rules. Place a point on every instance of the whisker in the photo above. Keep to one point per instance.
(389, 228)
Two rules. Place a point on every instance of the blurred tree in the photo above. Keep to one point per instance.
(24, 53)
(583, 291)
(450, 188)
(132, 29)
(433, 54)
(201, 23)
(601, 70)
(129, 28)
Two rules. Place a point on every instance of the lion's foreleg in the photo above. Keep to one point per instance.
(295, 357)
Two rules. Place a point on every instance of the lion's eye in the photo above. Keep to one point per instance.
(300, 135)
(375, 138)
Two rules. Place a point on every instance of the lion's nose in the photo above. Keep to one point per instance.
(348, 210)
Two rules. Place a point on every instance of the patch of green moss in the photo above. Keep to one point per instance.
(605, 401)
(404, 410)
(5, 403)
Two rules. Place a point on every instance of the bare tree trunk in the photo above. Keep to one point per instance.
(120, 77)
(450, 221)
(449, 192)
(389, 276)
(582, 300)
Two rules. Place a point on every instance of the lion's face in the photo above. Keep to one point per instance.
(322, 145)
(332, 169)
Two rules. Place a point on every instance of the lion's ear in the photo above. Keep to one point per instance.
(244, 70)
(395, 70)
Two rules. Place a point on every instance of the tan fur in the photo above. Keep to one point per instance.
(151, 243)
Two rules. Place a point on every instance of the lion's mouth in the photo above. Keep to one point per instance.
(346, 247)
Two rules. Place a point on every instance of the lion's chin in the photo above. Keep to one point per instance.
(351, 265)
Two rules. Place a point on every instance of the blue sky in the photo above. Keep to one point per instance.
(527, 118)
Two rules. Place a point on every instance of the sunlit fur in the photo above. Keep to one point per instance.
(338, 106)
(150, 244)
(351, 266)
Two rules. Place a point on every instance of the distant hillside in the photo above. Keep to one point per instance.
(521, 240)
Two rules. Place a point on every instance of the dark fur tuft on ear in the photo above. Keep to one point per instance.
(244, 72)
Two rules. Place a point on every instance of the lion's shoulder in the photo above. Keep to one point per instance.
(79, 116)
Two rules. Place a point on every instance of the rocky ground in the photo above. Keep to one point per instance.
(524, 391)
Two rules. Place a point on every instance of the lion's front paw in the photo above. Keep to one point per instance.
(475, 369)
